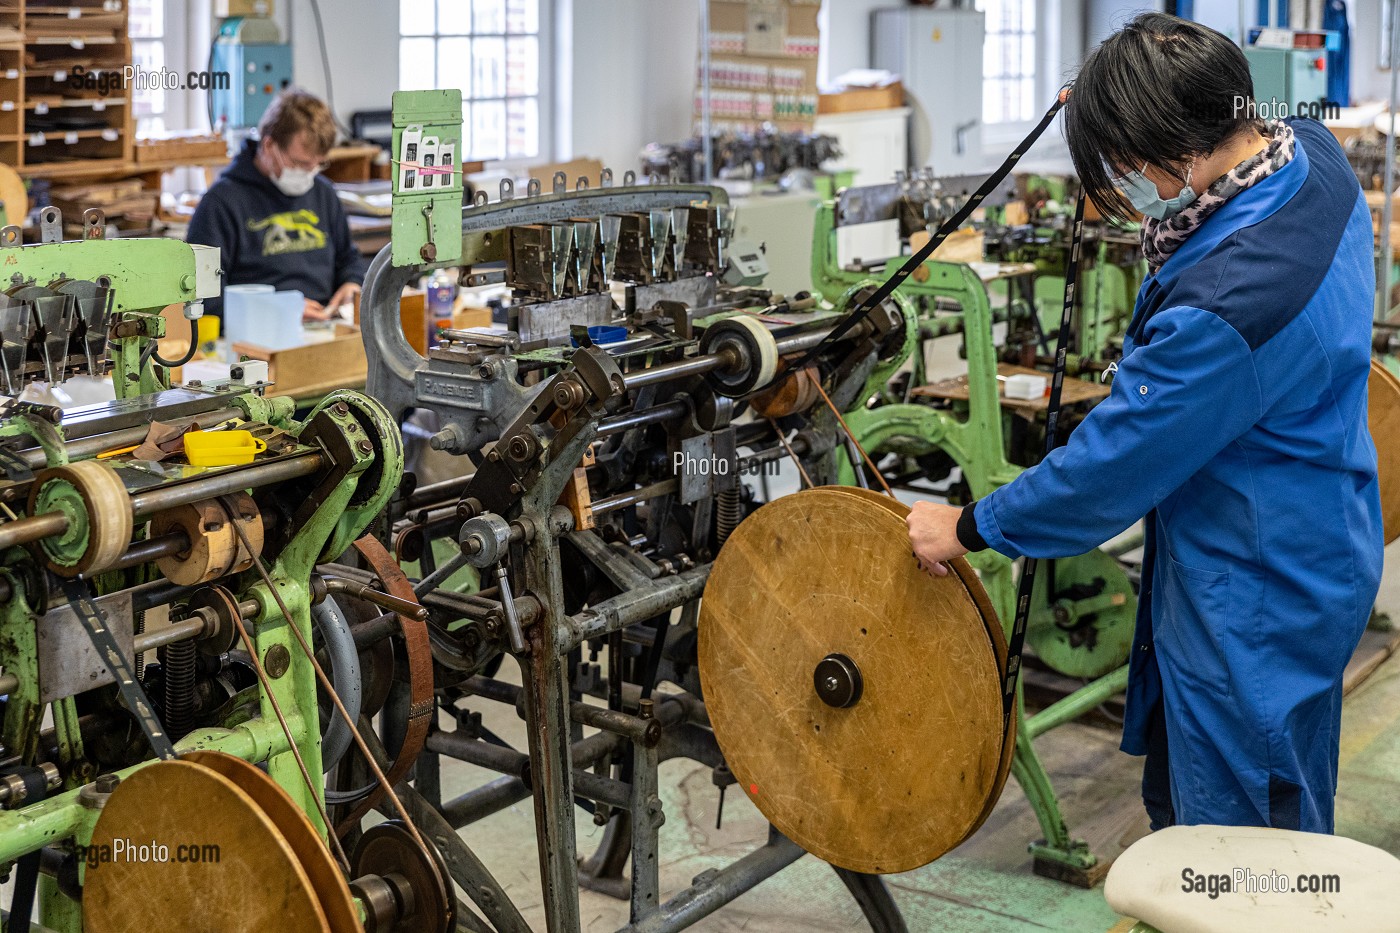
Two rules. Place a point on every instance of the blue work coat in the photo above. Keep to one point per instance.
(1237, 425)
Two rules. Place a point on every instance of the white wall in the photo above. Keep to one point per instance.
(362, 42)
(630, 67)
(846, 36)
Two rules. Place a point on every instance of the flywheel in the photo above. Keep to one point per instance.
(211, 843)
(857, 699)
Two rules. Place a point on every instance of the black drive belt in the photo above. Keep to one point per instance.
(120, 668)
(862, 311)
(1052, 423)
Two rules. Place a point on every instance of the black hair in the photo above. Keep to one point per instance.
(1159, 91)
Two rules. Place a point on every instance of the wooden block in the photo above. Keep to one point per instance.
(862, 98)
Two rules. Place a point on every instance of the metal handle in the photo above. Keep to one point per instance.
(403, 607)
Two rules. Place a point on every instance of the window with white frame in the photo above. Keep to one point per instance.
(1008, 61)
(146, 24)
(490, 49)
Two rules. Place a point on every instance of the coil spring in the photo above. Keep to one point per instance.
(139, 667)
(179, 661)
(729, 512)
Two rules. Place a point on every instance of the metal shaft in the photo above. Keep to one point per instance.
(145, 504)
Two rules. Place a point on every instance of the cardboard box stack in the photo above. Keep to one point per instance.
(763, 65)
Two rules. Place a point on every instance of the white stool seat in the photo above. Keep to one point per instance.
(1329, 883)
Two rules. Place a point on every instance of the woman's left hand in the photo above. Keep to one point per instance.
(345, 295)
(933, 532)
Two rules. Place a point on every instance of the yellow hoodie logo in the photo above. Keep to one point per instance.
(290, 232)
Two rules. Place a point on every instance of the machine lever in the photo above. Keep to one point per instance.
(403, 607)
(514, 633)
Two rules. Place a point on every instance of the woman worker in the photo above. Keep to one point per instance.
(1236, 425)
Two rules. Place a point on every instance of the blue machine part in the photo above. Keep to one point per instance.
(1293, 77)
(258, 73)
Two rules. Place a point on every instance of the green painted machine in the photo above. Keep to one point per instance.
(113, 548)
(1081, 624)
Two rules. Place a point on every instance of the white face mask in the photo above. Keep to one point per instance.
(294, 182)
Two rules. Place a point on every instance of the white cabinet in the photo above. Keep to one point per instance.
(938, 55)
(874, 143)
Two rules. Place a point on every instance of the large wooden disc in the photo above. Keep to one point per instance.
(964, 572)
(311, 853)
(256, 884)
(900, 777)
(1383, 409)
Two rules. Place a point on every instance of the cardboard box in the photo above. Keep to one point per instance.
(853, 99)
(314, 370)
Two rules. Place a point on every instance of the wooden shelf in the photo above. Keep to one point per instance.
(54, 40)
(110, 167)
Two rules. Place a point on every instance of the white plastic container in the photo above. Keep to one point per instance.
(1026, 386)
(263, 316)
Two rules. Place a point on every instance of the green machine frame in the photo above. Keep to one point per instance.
(146, 275)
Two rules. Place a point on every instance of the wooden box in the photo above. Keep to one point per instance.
(315, 369)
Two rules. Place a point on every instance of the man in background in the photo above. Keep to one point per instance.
(276, 220)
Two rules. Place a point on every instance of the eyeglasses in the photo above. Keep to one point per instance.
(289, 162)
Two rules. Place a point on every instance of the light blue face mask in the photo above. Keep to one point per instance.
(1143, 195)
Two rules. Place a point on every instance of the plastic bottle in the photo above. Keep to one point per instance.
(441, 297)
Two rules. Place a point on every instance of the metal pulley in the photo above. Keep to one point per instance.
(854, 696)
(752, 351)
(91, 496)
(215, 548)
(1085, 628)
(789, 396)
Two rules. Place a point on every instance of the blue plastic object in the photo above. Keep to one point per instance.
(605, 333)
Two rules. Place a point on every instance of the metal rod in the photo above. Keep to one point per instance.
(438, 492)
(632, 497)
(637, 419)
(403, 607)
(182, 630)
(33, 528)
(144, 504)
(221, 484)
(644, 731)
(92, 446)
(717, 889)
(635, 605)
(680, 369)
(478, 752)
(1078, 703)
(802, 342)
(141, 552)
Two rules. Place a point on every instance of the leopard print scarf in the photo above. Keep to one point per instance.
(1160, 238)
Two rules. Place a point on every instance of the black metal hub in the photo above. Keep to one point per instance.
(838, 681)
